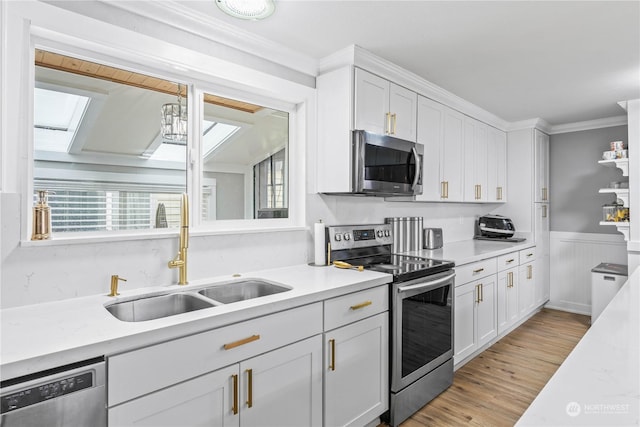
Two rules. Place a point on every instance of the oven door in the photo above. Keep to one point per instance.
(384, 165)
(422, 327)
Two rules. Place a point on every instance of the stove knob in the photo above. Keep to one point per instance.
(380, 233)
(347, 236)
(387, 233)
(338, 237)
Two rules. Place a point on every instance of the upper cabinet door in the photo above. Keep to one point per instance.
(430, 120)
(475, 160)
(403, 112)
(497, 166)
(383, 107)
(452, 159)
(371, 103)
(541, 166)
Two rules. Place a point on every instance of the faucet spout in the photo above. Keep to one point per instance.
(180, 261)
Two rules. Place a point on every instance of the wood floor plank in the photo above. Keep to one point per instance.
(496, 387)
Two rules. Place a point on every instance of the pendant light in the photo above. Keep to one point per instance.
(247, 9)
(173, 122)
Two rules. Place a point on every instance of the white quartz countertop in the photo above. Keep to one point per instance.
(467, 251)
(599, 383)
(43, 336)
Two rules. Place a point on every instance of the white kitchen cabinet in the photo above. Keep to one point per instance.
(283, 387)
(541, 166)
(356, 357)
(441, 130)
(251, 393)
(507, 299)
(474, 316)
(497, 166)
(476, 157)
(527, 288)
(384, 107)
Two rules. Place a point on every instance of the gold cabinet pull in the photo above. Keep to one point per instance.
(477, 294)
(544, 211)
(499, 193)
(388, 123)
(544, 194)
(361, 305)
(442, 194)
(481, 292)
(510, 279)
(234, 408)
(332, 362)
(529, 255)
(394, 120)
(249, 388)
(509, 261)
(529, 272)
(478, 189)
(480, 270)
(241, 342)
(446, 187)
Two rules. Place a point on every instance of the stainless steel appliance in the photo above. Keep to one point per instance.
(385, 166)
(421, 299)
(496, 228)
(72, 395)
(432, 238)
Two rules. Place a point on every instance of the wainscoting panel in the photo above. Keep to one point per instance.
(573, 255)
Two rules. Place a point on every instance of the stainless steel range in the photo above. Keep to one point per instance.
(421, 298)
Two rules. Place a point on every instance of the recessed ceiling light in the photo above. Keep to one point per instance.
(247, 9)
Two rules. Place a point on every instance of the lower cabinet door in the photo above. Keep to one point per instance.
(283, 387)
(205, 400)
(464, 321)
(356, 380)
(527, 291)
(507, 308)
(486, 323)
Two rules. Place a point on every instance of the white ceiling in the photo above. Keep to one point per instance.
(563, 62)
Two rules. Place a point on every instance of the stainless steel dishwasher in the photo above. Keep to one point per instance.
(72, 395)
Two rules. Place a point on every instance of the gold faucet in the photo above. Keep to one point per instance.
(180, 261)
(114, 285)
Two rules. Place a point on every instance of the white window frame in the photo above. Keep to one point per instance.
(52, 28)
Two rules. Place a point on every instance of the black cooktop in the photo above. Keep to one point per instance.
(406, 267)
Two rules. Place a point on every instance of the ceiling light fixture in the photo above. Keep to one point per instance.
(173, 122)
(247, 9)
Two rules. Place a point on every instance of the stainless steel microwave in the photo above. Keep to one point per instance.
(385, 166)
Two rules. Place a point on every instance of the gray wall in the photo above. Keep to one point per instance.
(576, 177)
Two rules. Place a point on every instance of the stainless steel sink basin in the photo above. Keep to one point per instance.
(157, 307)
(242, 290)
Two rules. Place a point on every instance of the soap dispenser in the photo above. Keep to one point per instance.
(41, 229)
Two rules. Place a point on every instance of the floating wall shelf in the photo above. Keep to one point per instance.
(622, 164)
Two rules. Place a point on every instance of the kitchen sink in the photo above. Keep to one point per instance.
(242, 290)
(157, 307)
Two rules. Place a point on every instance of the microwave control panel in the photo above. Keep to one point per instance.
(359, 236)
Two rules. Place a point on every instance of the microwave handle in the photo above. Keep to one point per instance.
(416, 178)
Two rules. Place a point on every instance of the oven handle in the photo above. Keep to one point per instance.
(429, 284)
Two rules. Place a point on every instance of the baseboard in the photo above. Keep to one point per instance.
(569, 309)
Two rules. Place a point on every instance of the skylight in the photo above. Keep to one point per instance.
(57, 117)
(215, 134)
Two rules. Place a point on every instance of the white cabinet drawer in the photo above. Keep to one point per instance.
(149, 369)
(508, 261)
(475, 270)
(356, 306)
(527, 255)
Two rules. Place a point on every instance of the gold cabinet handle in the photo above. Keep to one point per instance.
(332, 362)
(544, 194)
(509, 261)
(388, 123)
(361, 305)
(510, 279)
(241, 342)
(478, 294)
(499, 193)
(480, 270)
(481, 293)
(234, 408)
(249, 388)
(529, 272)
(544, 211)
(442, 194)
(395, 120)
(478, 191)
(529, 255)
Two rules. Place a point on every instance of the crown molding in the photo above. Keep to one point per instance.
(590, 124)
(173, 14)
(537, 123)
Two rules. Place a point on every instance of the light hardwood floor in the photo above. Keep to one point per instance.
(496, 387)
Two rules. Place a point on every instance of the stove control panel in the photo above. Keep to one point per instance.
(359, 236)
